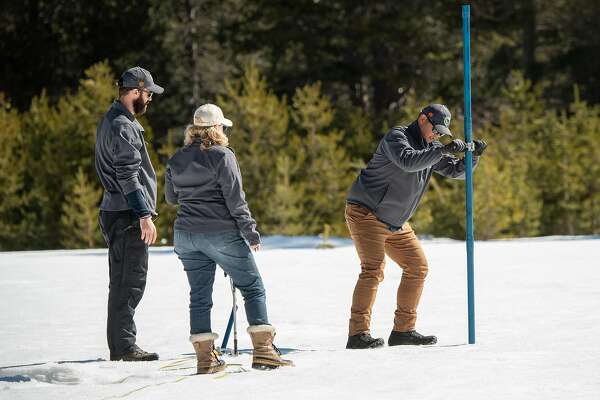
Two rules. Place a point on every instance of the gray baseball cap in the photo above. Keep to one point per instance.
(140, 78)
(439, 116)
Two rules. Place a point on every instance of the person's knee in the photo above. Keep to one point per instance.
(418, 271)
(254, 291)
(372, 271)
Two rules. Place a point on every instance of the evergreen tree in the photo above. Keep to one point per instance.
(195, 62)
(259, 135)
(166, 212)
(286, 213)
(326, 169)
(569, 173)
(79, 219)
(13, 219)
(59, 140)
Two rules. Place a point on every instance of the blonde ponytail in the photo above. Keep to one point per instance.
(209, 136)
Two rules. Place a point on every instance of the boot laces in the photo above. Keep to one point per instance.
(137, 351)
(215, 353)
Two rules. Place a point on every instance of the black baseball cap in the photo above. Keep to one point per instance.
(138, 77)
(439, 116)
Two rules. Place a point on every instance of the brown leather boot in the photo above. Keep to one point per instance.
(265, 354)
(208, 358)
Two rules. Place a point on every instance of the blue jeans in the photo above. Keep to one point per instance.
(200, 253)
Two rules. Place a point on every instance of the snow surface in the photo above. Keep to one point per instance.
(538, 325)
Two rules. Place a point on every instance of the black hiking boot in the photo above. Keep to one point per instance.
(136, 354)
(410, 338)
(363, 341)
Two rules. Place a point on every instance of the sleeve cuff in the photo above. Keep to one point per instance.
(253, 238)
(137, 202)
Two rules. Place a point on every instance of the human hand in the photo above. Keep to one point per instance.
(148, 230)
(480, 146)
(455, 146)
(255, 247)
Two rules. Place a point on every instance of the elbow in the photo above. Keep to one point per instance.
(408, 167)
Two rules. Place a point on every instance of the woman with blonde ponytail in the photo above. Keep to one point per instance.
(214, 226)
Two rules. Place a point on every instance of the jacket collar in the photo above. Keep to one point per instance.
(117, 105)
(416, 137)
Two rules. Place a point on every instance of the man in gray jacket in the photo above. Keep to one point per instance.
(127, 208)
(381, 201)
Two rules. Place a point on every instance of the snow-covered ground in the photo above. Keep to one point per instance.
(538, 327)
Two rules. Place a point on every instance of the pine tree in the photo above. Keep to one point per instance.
(259, 135)
(286, 215)
(59, 140)
(324, 166)
(79, 219)
(13, 220)
(166, 212)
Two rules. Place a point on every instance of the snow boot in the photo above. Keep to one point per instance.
(363, 340)
(410, 338)
(208, 358)
(265, 354)
(134, 354)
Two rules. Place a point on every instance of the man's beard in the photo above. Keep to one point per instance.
(139, 106)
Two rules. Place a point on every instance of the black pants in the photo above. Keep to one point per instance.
(128, 267)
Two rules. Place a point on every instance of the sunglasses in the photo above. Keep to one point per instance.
(434, 131)
(147, 91)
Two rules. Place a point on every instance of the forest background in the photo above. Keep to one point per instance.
(312, 86)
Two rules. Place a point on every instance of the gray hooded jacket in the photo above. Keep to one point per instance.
(397, 175)
(122, 161)
(207, 185)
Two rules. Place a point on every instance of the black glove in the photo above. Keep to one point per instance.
(480, 146)
(455, 146)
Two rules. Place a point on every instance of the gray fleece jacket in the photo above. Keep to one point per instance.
(122, 161)
(396, 177)
(207, 186)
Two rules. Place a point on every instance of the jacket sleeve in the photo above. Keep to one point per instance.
(397, 149)
(170, 194)
(229, 178)
(453, 167)
(127, 158)
(138, 204)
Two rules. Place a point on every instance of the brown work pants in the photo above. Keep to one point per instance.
(373, 240)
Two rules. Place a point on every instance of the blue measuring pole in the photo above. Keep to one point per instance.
(228, 330)
(466, 22)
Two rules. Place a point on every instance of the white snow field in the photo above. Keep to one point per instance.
(538, 327)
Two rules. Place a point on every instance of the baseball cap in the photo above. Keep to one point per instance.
(209, 115)
(138, 77)
(439, 116)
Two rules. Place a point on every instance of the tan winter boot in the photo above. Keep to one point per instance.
(265, 355)
(208, 358)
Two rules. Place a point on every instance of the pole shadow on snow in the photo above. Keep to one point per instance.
(283, 350)
(15, 378)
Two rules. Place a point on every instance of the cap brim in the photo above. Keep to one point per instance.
(443, 130)
(227, 122)
(156, 89)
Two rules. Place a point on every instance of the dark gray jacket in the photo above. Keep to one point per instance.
(207, 185)
(396, 177)
(122, 161)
